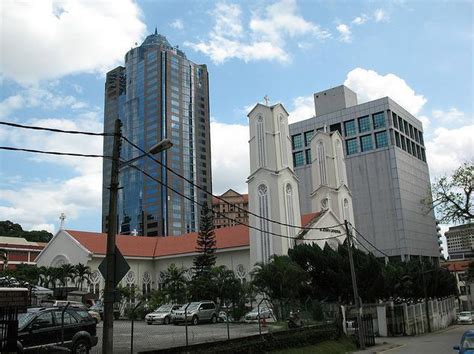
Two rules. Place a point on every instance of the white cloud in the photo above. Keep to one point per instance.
(452, 115)
(36, 97)
(380, 15)
(426, 122)
(360, 20)
(263, 40)
(370, 85)
(49, 39)
(282, 18)
(177, 24)
(449, 148)
(303, 108)
(230, 157)
(34, 203)
(344, 32)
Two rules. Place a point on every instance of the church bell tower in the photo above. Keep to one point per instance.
(272, 184)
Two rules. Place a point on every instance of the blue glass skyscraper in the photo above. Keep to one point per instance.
(159, 94)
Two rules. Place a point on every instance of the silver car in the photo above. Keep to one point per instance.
(465, 317)
(161, 315)
(196, 312)
(257, 313)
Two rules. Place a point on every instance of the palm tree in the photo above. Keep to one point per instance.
(174, 283)
(66, 272)
(83, 273)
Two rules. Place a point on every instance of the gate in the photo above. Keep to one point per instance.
(396, 321)
(8, 329)
(368, 334)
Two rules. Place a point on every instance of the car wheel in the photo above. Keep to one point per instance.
(213, 319)
(195, 321)
(148, 323)
(166, 320)
(81, 347)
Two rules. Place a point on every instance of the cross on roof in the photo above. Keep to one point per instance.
(266, 99)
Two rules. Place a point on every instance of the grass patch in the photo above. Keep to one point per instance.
(341, 346)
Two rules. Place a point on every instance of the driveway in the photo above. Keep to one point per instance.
(147, 337)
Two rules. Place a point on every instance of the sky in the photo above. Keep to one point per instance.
(54, 56)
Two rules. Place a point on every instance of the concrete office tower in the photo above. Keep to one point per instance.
(386, 169)
(159, 94)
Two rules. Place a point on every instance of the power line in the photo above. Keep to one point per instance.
(225, 216)
(221, 199)
(53, 152)
(16, 125)
(370, 243)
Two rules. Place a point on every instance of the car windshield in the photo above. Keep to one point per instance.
(256, 309)
(465, 313)
(468, 343)
(192, 306)
(164, 308)
(24, 318)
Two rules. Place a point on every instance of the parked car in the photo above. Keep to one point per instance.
(42, 327)
(99, 308)
(466, 345)
(200, 311)
(465, 317)
(75, 304)
(161, 315)
(257, 313)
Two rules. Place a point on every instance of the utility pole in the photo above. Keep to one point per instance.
(354, 287)
(109, 290)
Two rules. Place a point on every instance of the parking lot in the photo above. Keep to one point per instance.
(147, 337)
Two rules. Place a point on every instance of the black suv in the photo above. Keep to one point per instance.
(42, 327)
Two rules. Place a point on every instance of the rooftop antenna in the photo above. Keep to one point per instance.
(62, 217)
(156, 30)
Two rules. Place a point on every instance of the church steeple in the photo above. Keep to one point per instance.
(273, 185)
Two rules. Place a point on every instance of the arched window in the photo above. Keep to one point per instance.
(340, 163)
(345, 212)
(265, 239)
(290, 215)
(241, 272)
(261, 141)
(322, 163)
(146, 285)
(283, 142)
(94, 282)
(130, 283)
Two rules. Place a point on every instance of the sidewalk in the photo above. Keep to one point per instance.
(385, 344)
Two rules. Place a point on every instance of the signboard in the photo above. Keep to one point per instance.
(121, 267)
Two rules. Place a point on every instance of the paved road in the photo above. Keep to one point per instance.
(441, 342)
(160, 336)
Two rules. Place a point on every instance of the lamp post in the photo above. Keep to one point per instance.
(109, 289)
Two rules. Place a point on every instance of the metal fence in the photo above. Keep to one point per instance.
(134, 335)
(8, 329)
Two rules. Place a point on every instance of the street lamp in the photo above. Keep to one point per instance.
(109, 289)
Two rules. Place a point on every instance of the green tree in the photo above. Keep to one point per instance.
(10, 229)
(82, 274)
(282, 281)
(206, 245)
(175, 284)
(451, 197)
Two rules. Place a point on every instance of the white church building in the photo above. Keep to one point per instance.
(275, 222)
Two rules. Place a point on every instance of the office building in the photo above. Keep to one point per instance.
(460, 240)
(158, 94)
(228, 207)
(386, 168)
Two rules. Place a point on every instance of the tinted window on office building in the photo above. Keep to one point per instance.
(364, 124)
(381, 140)
(379, 120)
(298, 159)
(366, 143)
(297, 141)
(350, 128)
(351, 146)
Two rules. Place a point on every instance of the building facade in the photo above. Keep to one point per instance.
(386, 169)
(17, 250)
(228, 207)
(159, 94)
(460, 240)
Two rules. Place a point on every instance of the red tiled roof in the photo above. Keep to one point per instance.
(140, 246)
(456, 266)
